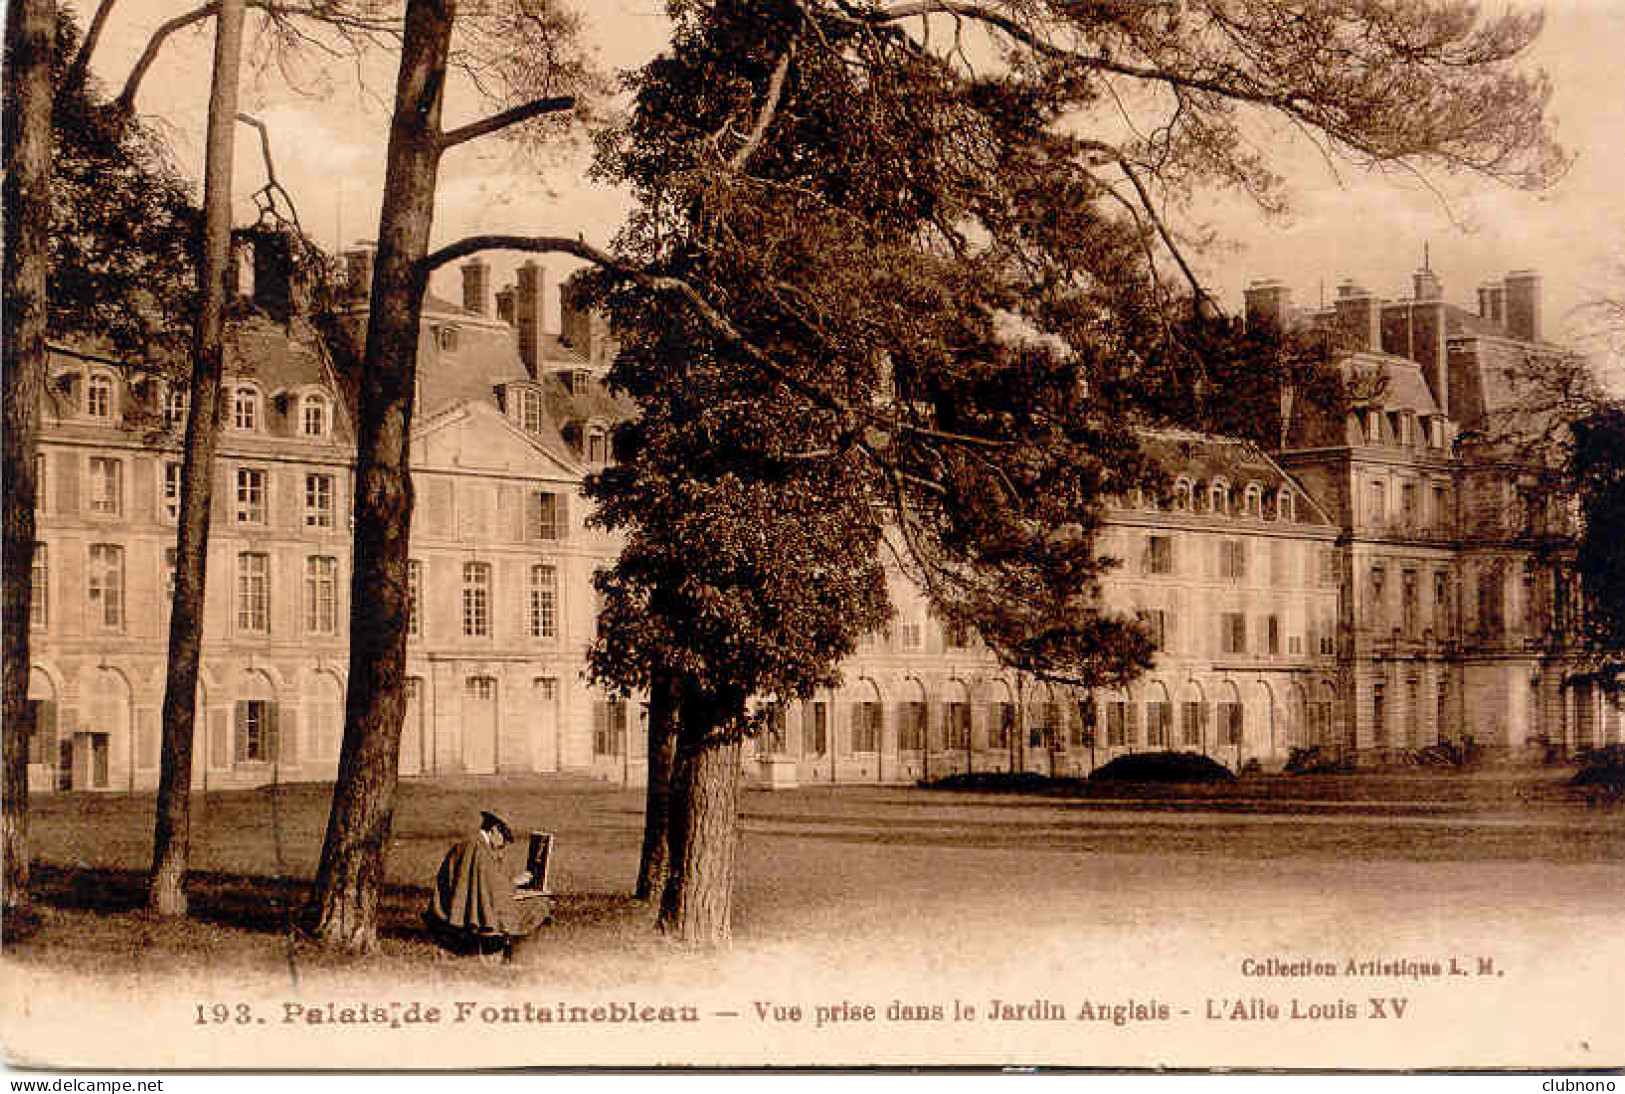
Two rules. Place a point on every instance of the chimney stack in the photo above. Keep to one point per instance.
(528, 313)
(1268, 302)
(358, 269)
(1359, 318)
(1523, 305)
(273, 266)
(476, 286)
(1425, 285)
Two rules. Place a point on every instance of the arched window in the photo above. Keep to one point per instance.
(99, 396)
(1219, 498)
(1253, 501)
(245, 408)
(313, 421)
(1182, 496)
(1285, 506)
(597, 447)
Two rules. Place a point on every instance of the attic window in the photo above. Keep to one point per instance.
(597, 446)
(1182, 496)
(313, 421)
(530, 411)
(176, 404)
(99, 396)
(1252, 500)
(580, 381)
(448, 339)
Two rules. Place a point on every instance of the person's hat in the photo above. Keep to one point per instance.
(491, 820)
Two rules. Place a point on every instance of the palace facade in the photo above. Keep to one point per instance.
(1363, 589)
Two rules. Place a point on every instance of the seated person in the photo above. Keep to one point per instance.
(475, 907)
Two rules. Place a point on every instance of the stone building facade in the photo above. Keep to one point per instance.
(1361, 590)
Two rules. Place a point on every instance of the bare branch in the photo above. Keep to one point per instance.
(265, 146)
(81, 61)
(524, 112)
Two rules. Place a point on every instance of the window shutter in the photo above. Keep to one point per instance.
(217, 738)
(271, 746)
(561, 515)
(533, 515)
(1130, 724)
(143, 484)
(67, 482)
(225, 497)
(44, 743)
(600, 724)
(239, 750)
(287, 734)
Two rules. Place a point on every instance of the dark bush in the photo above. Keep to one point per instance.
(1317, 761)
(1163, 767)
(1602, 771)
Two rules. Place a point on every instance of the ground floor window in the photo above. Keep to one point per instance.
(866, 722)
(814, 729)
(609, 727)
(1116, 724)
(1230, 723)
(256, 731)
(1193, 718)
(956, 722)
(911, 718)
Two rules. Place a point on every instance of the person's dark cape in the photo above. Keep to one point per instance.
(471, 893)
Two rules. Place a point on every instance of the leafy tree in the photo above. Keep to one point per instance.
(898, 216)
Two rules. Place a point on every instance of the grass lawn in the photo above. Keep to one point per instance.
(969, 892)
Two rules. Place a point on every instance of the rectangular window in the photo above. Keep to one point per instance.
(1378, 507)
(1272, 635)
(253, 593)
(1233, 632)
(256, 731)
(170, 503)
(1409, 606)
(1116, 723)
(911, 724)
(543, 605)
(1159, 555)
(955, 635)
(866, 722)
(956, 723)
(414, 597)
(1082, 729)
(1441, 509)
(1379, 716)
(530, 411)
(171, 557)
(912, 636)
(104, 586)
(1441, 605)
(42, 491)
(1378, 609)
(1159, 724)
(544, 516)
(106, 486)
(250, 495)
(321, 595)
(1192, 722)
(319, 506)
(814, 729)
(1233, 559)
(1155, 621)
(1230, 723)
(1328, 566)
(608, 727)
(476, 599)
(1407, 504)
(39, 604)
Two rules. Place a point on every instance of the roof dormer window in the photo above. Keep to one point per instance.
(245, 408)
(597, 445)
(1219, 499)
(446, 336)
(530, 410)
(313, 416)
(1182, 496)
(1252, 501)
(99, 396)
(580, 382)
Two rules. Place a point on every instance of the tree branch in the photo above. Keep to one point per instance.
(523, 112)
(93, 33)
(720, 324)
(764, 116)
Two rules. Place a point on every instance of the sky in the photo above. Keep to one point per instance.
(329, 140)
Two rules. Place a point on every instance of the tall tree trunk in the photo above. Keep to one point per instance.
(343, 909)
(30, 40)
(655, 862)
(697, 906)
(171, 837)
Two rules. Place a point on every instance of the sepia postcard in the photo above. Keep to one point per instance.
(756, 374)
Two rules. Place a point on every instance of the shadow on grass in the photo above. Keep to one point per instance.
(260, 905)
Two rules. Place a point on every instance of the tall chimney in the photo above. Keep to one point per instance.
(358, 269)
(1425, 285)
(273, 265)
(476, 286)
(1359, 320)
(1523, 305)
(1268, 302)
(528, 313)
